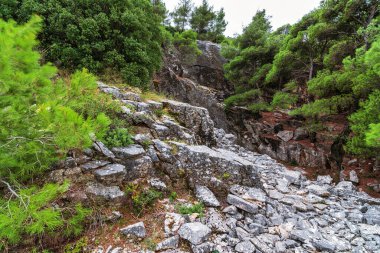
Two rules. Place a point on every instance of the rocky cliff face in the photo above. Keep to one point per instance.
(201, 83)
(253, 203)
(275, 134)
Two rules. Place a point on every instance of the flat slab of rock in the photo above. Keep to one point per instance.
(135, 230)
(206, 196)
(93, 165)
(132, 151)
(318, 190)
(248, 193)
(101, 148)
(112, 173)
(242, 204)
(169, 243)
(105, 192)
(195, 233)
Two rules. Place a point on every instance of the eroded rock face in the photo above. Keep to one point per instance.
(201, 83)
(195, 118)
(271, 208)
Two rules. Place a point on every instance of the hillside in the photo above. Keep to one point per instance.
(126, 128)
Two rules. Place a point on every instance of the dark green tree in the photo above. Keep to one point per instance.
(218, 27)
(100, 35)
(250, 58)
(202, 19)
(181, 14)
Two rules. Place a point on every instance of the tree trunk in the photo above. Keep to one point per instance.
(311, 70)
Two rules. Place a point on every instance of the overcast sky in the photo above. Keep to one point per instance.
(239, 13)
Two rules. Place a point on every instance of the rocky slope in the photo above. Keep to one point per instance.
(253, 203)
(287, 139)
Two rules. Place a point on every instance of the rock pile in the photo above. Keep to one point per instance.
(253, 203)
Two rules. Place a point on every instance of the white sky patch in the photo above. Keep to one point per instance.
(239, 13)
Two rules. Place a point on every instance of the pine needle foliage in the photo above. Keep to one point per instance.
(40, 120)
(32, 212)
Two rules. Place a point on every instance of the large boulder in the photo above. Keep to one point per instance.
(195, 233)
(194, 118)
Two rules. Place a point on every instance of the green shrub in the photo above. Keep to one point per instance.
(242, 98)
(173, 196)
(32, 212)
(365, 125)
(186, 42)
(258, 107)
(283, 100)
(40, 120)
(119, 137)
(125, 35)
(142, 199)
(190, 209)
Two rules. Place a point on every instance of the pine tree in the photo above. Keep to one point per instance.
(202, 19)
(40, 121)
(181, 14)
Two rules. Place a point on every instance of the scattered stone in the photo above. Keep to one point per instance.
(157, 184)
(242, 204)
(245, 247)
(230, 210)
(132, 151)
(196, 232)
(110, 174)
(93, 165)
(169, 243)
(324, 179)
(318, 190)
(101, 148)
(354, 177)
(324, 245)
(285, 135)
(136, 230)
(106, 192)
(173, 221)
(292, 176)
(300, 134)
(206, 196)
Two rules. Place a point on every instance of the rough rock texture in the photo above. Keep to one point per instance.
(135, 230)
(271, 208)
(196, 232)
(201, 83)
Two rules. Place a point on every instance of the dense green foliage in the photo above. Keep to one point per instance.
(122, 35)
(327, 63)
(30, 212)
(181, 14)
(207, 23)
(118, 137)
(41, 120)
(186, 42)
(142, 198)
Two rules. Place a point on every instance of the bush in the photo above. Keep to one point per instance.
(119, 137)
(41, 120)
(99, 34)
(242, 98)
(190, 209)
(283, 100)
(32, 212)
(365, 125)
(142, 199)
(186, 43)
